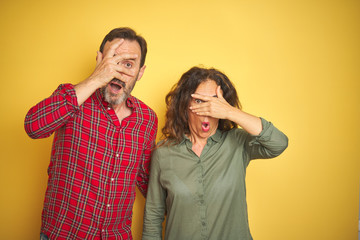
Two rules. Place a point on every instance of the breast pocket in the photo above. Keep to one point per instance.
(132, 147)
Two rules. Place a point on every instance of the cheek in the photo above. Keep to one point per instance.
(193, 118)
(214, 122)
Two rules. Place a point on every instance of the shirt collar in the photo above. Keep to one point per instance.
(215, 137)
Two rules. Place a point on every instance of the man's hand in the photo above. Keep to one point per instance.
(109, 67)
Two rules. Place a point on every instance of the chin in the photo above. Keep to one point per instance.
(115, 100)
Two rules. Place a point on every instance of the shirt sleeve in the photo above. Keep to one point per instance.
(52, 113)
(271, 142)
(143, 173)
(155, 204)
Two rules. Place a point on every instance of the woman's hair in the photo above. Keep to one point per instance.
(179, 97)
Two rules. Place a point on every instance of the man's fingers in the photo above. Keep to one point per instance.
(114, 44)
(119, 76)
(124, 70)
(124, 56)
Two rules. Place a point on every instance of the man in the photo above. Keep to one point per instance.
(102, 145)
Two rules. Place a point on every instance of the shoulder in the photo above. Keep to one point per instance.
(166, 151)
(143, 110)
(163, 149)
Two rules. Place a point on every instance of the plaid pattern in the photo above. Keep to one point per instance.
(95, 163)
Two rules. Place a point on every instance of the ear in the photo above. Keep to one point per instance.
(141, 72)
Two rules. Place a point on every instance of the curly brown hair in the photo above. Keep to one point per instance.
(179, 97)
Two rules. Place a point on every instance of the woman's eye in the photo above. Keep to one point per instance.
(198, 101)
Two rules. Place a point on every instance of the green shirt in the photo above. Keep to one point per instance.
(204, 197)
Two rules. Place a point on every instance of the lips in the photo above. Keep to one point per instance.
(116, 85)
(205, 126)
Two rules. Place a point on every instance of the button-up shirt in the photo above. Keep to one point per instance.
(96, 162)
(204, 197)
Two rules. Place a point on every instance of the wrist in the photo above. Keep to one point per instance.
(233, 114)
(93, 83)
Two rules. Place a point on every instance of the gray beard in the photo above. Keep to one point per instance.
(112, 99)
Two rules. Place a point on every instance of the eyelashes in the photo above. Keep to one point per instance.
(198, 101)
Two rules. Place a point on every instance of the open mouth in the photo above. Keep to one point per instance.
(116, 85)
(205, 126)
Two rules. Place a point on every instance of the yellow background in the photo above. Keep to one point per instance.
(295, 63)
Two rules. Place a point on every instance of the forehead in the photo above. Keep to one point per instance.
(128, 46)
(207, 87)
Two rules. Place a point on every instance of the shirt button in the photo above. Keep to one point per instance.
(117, 155)
(108, 108)
(108, 205)
(103, 230)
(112, 179)
(203, 223)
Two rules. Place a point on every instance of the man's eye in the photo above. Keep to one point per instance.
(198, 101)
(128, 65)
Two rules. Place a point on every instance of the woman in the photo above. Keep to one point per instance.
(198, 171)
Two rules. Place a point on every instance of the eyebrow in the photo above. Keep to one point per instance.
(210, 96)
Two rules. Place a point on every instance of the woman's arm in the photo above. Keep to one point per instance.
(270, 143)
(155, 205)
(218, 107)
(264, 140)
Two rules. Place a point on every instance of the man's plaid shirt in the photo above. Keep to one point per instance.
(96, 161)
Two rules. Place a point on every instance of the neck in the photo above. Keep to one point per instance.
(197, 140)
(122, 110)
(198, 144)
(119, 107)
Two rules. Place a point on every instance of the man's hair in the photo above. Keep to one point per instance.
(127, 34)
(179, 97)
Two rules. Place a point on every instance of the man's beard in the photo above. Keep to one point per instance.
(114, 99)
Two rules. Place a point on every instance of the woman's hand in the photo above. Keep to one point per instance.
(218, 107)
(212, 106)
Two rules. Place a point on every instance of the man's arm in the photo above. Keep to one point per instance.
(143, 174)
(50, 114)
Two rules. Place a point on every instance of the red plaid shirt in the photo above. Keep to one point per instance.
(95, 163)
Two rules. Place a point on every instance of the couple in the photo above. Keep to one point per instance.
(104, 139)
